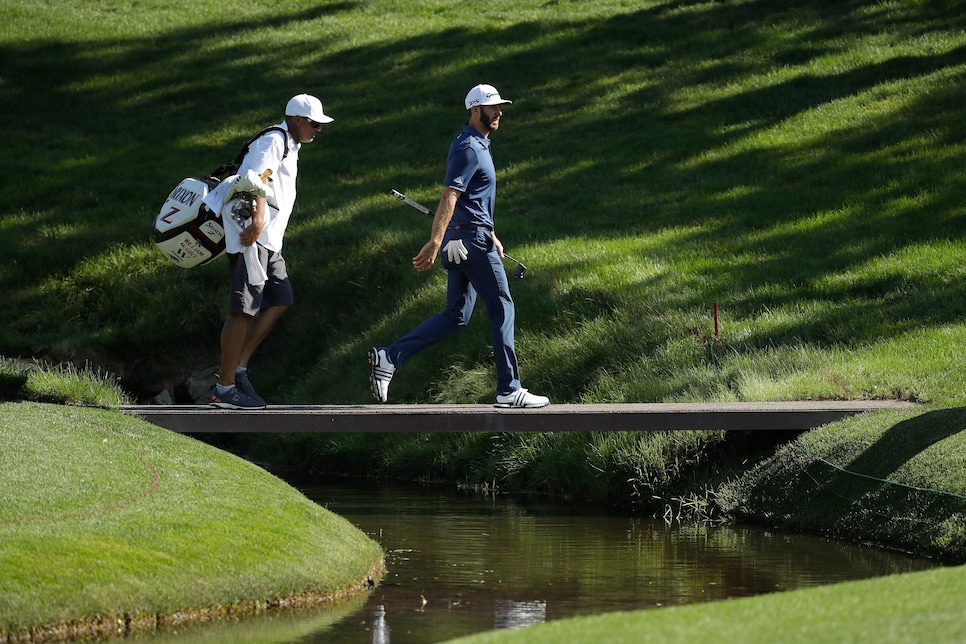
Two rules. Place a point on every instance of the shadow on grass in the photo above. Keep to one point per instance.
(890, 493)
(12, 385)
(866, 498)
(899, 445)
(610, 135)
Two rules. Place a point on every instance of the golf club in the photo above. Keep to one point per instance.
(415, 204)
(518, 273)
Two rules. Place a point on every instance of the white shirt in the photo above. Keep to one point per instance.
(266, 153)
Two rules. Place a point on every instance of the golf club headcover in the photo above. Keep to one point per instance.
(253, 183)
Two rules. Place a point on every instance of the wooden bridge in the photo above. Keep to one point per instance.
(745, 416)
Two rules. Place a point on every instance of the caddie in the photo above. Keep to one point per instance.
(253, 307)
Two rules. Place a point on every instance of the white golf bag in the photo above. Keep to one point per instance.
(187, 231)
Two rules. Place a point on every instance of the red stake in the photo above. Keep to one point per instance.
(715, 320)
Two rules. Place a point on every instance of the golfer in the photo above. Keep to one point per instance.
(463, 229)
(253, 309)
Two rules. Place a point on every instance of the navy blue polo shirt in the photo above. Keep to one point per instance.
(470, 170)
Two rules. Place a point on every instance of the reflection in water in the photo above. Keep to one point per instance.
(284, 626)
(511, 614)
(459, 564)
(380, 629)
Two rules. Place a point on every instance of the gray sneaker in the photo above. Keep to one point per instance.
(521, 398)
(234, 398)
(244, 384)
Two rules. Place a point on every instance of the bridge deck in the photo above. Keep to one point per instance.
(793, 416)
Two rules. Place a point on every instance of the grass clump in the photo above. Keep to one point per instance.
(61, 384)
(13, 380)
(630, 470)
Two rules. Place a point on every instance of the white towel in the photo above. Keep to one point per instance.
(256, 274)
(219, 194)
(222, 198)
(248, 182)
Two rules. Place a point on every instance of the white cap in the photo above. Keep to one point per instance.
(307, 106)
(484, 95)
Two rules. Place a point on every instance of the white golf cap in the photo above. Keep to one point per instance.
(307, 106)
(484, 95)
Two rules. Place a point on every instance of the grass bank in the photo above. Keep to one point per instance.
(918, 607)
(894, 478)
(111, 525)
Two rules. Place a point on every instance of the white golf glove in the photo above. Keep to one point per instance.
(455, 250)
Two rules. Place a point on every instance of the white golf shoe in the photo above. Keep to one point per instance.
(521, 398)
(382, 370)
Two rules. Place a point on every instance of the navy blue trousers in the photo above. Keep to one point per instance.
(481, 275)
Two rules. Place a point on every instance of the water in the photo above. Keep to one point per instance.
(463, 563)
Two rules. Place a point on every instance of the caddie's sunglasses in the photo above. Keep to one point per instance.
(314, 124)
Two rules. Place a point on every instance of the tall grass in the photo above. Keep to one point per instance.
(630, 470)
(63, 384)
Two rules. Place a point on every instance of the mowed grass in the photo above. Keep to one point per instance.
(108, 518)
(917, 607)
(801, 165)
(893, 478)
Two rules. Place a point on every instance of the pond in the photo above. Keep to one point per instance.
(461, 563)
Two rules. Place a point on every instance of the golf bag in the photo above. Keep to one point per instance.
(185, 230)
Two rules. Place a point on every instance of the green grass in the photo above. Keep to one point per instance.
(62, 383)
(895, 477)
(628, 470)
(800, 164)
(105, 516)
(797, 164)
(916, 607)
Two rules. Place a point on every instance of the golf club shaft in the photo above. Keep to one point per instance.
(426, 211)
(415, 204)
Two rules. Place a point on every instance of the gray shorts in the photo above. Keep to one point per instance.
(248, 299)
